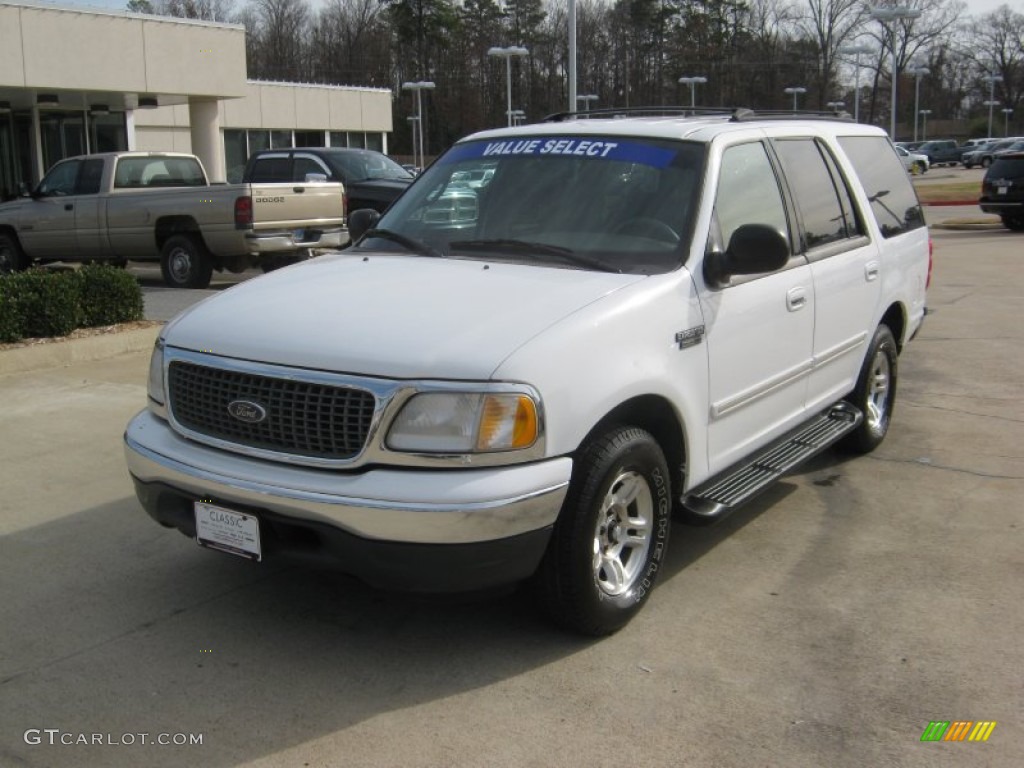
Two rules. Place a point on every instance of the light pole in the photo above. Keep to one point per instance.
(586, 99)
(886, 14)
(796, 90)
(924, 128)
(1007, 111)
(835, 106)
(856, 50)
(413, 123)
(507, 54)
(419, 87)
(991, 80)
(692, 81)
(918, 73)
(518, 116)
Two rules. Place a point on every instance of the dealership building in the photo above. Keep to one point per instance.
(74, 81)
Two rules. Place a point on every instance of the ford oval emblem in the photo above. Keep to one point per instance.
(247, 411)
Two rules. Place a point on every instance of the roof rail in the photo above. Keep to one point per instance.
(734, 114)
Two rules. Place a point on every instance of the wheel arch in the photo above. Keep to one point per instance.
(896, 318)
(168, 226)
(655, 414)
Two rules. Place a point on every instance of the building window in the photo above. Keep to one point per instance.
(310, 139)
(375, 141)
(339, 139)
(235, 155)
(258, 140)
(357, 139)
(280, 139)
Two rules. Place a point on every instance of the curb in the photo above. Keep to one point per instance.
(59, 354)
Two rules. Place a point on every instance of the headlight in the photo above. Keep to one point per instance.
(465, 422)
(155, 387)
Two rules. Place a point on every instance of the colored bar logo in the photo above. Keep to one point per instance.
(958, 730)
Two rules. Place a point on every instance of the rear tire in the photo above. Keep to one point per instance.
(875, 393)
(1016, 223)
(185, 262)
(12, 258)
(611, 537)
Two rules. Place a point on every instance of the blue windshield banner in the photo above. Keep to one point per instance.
(562, 146)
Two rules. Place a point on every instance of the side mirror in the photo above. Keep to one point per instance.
(362, 221)
(312, 177)
(754, 249)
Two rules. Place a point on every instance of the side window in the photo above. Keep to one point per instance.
(89, 176)
(60, 180)
(270, 168)
(748, 192)
(816, 187)
(894, 203)
(307, 164)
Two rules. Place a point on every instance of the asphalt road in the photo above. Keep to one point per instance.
(827, 623)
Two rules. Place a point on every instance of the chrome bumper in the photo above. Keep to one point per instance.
(455, 506)
(276, 242)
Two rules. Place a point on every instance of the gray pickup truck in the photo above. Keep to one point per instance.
(148, 206)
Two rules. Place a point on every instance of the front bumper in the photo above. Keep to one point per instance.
(424, 530)
(278, 242)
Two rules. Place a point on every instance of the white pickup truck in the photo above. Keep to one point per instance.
(148, 206)
(636, 315)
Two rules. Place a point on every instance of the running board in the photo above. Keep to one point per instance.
(724, 493)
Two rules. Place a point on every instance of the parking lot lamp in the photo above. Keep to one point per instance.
(885, 15)
(856, 50)
(413, 122)
(795, 90)
(419, 87)
(507, 53)
(586, 99)
(835, 106)
(991, 80)
(693, 81)
(1007, 111)
(924, 127)
(918, 73)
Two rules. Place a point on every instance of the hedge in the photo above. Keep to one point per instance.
(41, 303)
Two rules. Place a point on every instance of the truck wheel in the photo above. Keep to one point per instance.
(12, 258)
(875, 393)
(919, 168)
(185, 262)
(611, 536)
(1016, 223)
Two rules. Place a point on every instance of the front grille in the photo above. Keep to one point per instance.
(302, 418)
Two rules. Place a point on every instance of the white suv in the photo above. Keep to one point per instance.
(639, 316)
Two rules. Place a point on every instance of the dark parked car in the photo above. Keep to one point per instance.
(986, 153)
(1002, 191)
(371, 179)
(941, 151)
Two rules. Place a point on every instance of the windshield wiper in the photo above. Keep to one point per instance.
(416, 246)
(508, 244)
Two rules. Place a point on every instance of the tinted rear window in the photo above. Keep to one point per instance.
(1006, 168)
(894, 202)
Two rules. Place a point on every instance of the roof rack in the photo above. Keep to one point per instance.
(735, 114)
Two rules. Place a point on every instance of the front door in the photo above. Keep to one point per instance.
(759, 328)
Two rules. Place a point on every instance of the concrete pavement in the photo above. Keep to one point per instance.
(824, 624)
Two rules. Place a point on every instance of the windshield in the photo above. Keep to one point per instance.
(367, 165)
(608, 203)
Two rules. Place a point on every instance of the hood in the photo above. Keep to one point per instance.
(390, 315)
(395, 186)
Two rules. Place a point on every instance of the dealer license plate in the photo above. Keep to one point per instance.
(1002, 190)
(229, 531)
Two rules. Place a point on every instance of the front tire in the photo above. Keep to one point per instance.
(875, 393)
(185, 262)
(12, 258)
(611, 537)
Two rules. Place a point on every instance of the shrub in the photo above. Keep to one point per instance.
(49, 303)
(109, 295)
(10, 313)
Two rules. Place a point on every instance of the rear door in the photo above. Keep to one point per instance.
(845, 265)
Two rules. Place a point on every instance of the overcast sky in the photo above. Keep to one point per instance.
(974, 7)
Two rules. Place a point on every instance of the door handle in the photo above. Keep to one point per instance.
(871, 271)
(69, 207)
(796, 299)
